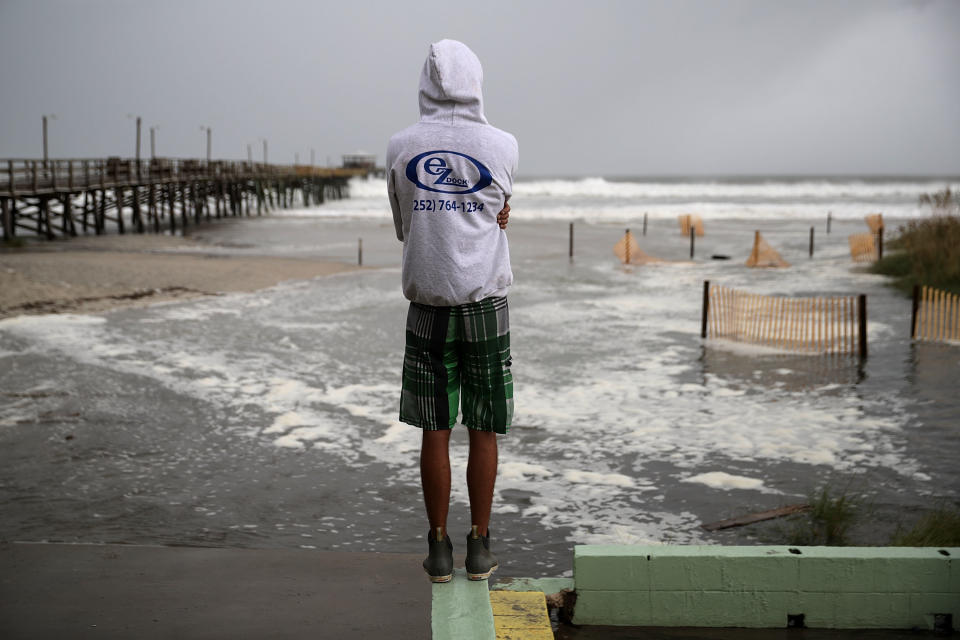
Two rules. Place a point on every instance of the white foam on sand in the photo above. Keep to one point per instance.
(591, 477)
(723, 480)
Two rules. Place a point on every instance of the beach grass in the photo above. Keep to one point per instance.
(925, 251)
(828, 521)
(938, 528)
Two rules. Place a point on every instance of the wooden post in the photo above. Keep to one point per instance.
(118, 194)
(152, 207)
(7, 219)
(137, 219)
(706, 309)
(626, 245)
(916, 307)
(86, 206)
(100, 212)
(68, 224)
(811, 242)
(862, 322)
(172, 203)
(184, 206)
(571, 241)
(196, 190)
(644, 223)
(95, 210)
(44, 217)
(829, 220)
(359, 252)
(692, 236)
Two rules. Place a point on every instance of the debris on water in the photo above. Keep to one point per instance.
(757, 517)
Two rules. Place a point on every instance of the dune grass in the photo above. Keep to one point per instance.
(927, 251)
(938, 528)
(828, 521)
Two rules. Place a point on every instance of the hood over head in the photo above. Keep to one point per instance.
(451, 84)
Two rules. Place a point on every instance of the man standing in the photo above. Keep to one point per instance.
(448, 179)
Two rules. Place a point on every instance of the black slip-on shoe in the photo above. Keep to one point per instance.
(480, 561)
(439, 561)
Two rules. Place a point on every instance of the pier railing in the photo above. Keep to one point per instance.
(36, 177)
(66, 197)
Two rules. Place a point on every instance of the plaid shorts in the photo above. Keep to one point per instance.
(452, 349)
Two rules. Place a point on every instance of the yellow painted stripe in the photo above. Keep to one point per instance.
(520, 615)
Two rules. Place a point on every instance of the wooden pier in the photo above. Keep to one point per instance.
(70, 197)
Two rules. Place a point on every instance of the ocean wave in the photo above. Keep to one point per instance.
(767, 189)
(703, 190)
(600, 200)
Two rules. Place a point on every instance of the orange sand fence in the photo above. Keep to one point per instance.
(629, 251)
(863, 248)
(690, 221)
(835, 325)
(763, 255)
(936, 315)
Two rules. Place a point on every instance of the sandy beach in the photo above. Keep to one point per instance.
(90, 274)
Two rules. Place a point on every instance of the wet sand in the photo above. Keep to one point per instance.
(91, 274)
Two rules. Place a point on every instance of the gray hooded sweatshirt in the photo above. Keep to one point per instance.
(447, 178)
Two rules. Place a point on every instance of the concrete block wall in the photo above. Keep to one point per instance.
(763, 586)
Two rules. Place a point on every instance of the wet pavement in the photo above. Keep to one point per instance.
(116, 591)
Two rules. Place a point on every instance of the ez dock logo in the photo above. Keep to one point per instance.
(448, 172)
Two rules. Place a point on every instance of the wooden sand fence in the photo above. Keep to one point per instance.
(868, 247)
(831, 325)
(862, 247)
(936, 315)
(690, 221)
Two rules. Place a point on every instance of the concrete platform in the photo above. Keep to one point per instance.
(681, 633)
(120, 591)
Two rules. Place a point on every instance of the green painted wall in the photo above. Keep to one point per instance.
(716, 586)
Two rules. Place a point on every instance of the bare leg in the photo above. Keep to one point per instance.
(481, 477)
(435, 476)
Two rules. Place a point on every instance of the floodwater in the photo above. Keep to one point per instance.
(268, 419)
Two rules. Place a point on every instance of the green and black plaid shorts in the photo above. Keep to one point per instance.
(452, 349)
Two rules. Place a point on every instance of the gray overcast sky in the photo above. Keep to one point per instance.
(588, 88)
